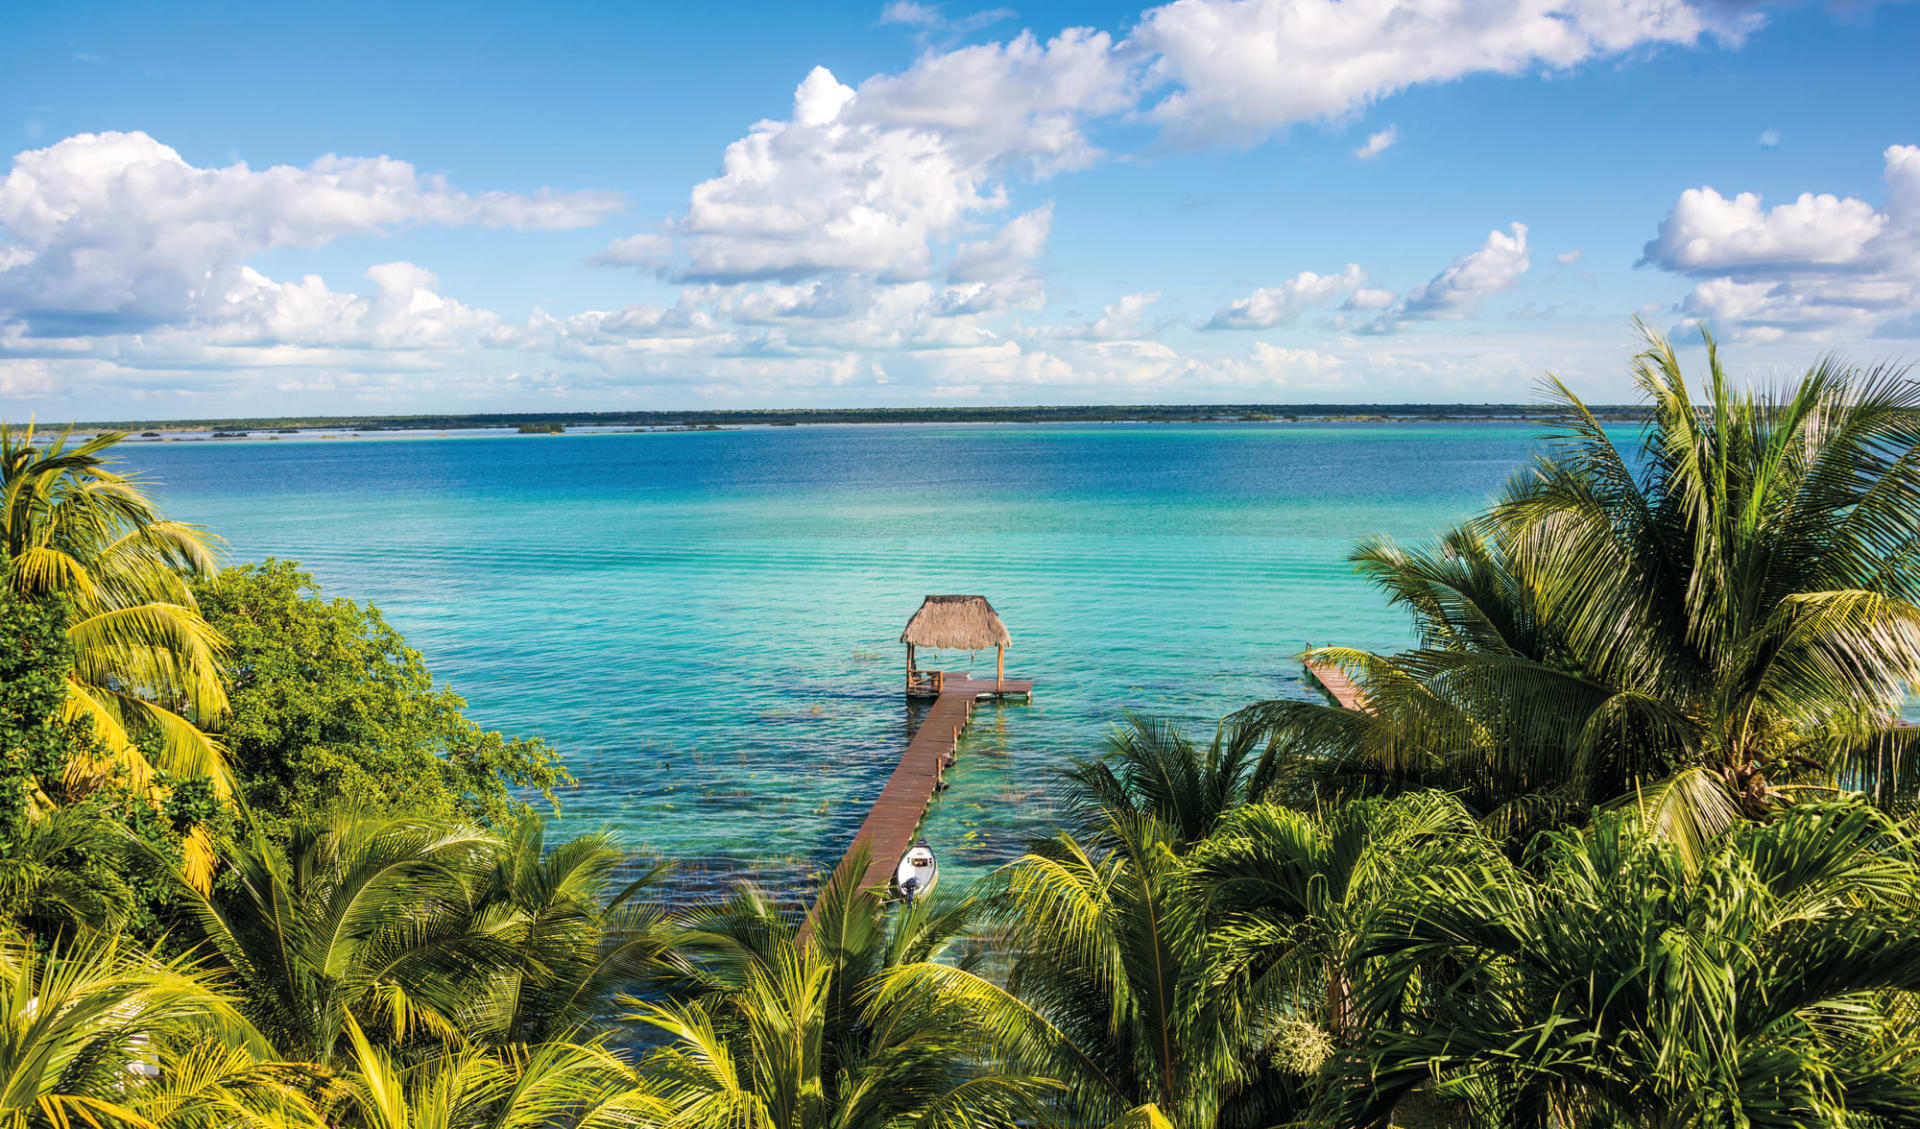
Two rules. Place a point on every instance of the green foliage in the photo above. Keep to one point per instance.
(97, 1032)
(771, 1030)
(419, 931)
(329, 706)
(65, 856)
(554, 1085)
(1727, 620)
(35, 741)
(1150, 770)
(145, 668)
(1618, 982)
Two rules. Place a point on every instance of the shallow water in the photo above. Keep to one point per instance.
(706, 624)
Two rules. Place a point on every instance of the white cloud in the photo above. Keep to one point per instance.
(1769, 138)
(1470, 279)
(25, 378)
(1017, 106)
(1123, 319)
(1120, 320)
(116, 228)
(884, 179)
(1128, 368)
(879, 180)
(1568, 258)
(925, 18)
(1011, 252)
(1237, 70)
(648, 250)
(1816, 265)
(822, 192)
(1706, 233)
(1457, 291)
(405, 312)
(1378, 143)
(911, 14)
(1275, 305)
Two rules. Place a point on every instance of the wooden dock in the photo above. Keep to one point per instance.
(895, 816)
(1343, 688)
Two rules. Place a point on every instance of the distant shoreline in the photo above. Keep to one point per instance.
(547, 422)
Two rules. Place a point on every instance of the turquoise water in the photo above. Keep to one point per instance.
(705, 624)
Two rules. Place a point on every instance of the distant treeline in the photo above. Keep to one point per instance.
(1083, 413)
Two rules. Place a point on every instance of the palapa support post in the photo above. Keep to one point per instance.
(999, 670)
(909, 668)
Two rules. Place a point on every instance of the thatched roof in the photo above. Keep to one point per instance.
(956, 623)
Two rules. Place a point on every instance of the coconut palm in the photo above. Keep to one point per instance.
(377, 920)
(553, 1085)
(145, 675)
(1186, 963)
(1713, 624)
(1119, 991)
(1289, 893)
(767, 1032)
(145, 662)
(1150, 770)
(100, 1033)
(49, 878)
(574, 938)
(1627, 984)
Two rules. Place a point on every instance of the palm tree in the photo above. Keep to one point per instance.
(1119, 991)
(97, 1032)
(363, 919)
(574, 939)
(50, 878)
(1713, 625)
(767, 1032)
(1150, 770)
(1767, 984)
(1289, 892)
(553, 1085)
(145, 664)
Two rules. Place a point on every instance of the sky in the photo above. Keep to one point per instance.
(247, 209)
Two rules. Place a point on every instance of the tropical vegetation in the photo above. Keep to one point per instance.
(1715, 625)
(1627, 839)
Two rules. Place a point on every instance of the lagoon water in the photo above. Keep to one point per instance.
(706, 624)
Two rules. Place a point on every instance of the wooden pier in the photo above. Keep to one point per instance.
(895, 816)
(1339, 684)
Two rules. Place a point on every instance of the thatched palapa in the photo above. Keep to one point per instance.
(956, 623)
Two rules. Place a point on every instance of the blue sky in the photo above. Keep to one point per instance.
(239, 210)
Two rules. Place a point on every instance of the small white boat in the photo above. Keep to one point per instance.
(917, 873)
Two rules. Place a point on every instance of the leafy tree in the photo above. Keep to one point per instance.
(1766, 984)
(1118, 991)
(37, 738)
(416, 930)
(330, 707)
(1712, 626)
(769, 1032)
